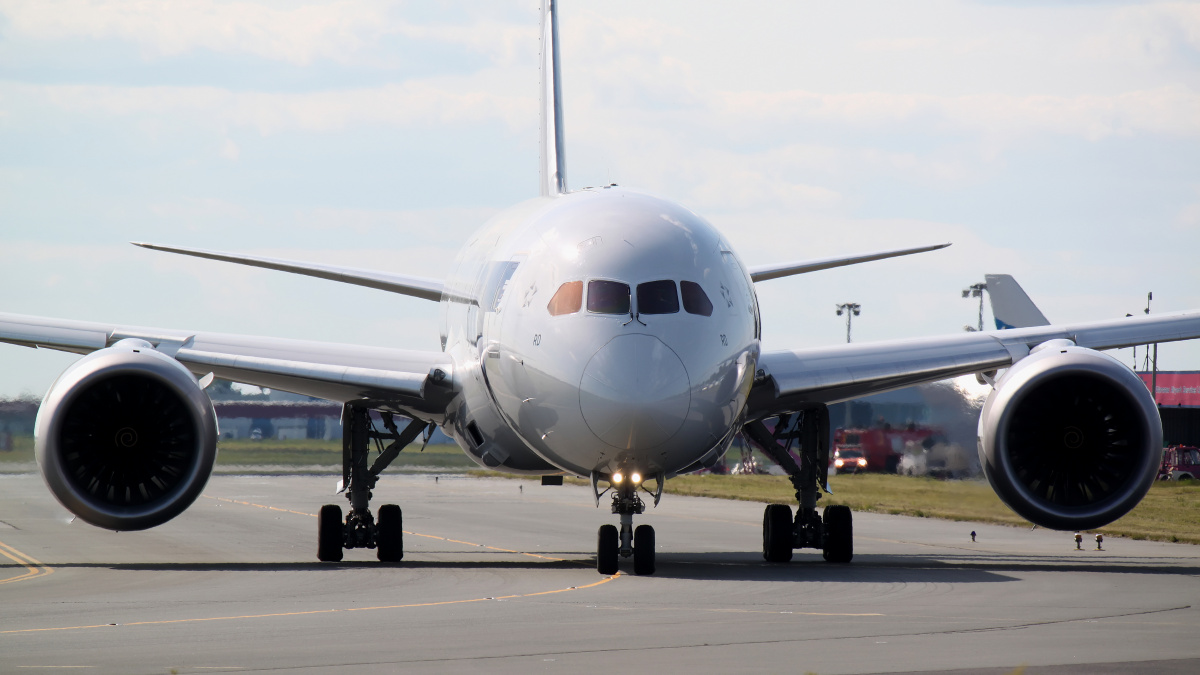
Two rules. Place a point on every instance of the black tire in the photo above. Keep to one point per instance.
(330, 533)
(778, 536)
(389, 534)
(643, 550)
(839, 534)
(608, 545)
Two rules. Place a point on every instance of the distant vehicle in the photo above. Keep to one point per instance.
(1180, 462)
(882, 447)
(849, 461)
(256, 434)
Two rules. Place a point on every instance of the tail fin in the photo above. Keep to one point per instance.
(1011, 307)
(554, 160)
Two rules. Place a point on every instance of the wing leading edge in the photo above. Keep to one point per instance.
(413, 382)
(774, 271)
(794, 379)
(417, 287)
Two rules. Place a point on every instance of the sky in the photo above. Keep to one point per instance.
(1055, 141)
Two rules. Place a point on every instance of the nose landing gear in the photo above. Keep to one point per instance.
(612, 545)
(833, 531)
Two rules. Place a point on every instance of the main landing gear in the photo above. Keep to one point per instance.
(360, 529)
(638, 543)
(833, 532)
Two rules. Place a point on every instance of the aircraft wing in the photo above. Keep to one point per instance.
(417, 287)
(777, 270)
(790, 380)
(418, 383)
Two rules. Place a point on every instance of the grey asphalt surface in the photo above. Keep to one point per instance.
(498, 577)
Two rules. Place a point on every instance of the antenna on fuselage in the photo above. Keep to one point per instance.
(554, 160)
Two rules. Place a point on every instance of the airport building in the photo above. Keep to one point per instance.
(1177, 393)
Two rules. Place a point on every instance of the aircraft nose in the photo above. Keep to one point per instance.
(635, 392)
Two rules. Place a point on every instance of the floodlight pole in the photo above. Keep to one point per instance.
(976, 291)
(1153, 361)
(851, 309)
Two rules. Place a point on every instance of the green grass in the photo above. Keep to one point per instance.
(1170, 512)
(234, 453)
(329, 453)
(22, 451)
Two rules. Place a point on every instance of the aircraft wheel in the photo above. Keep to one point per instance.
(608, 545)
(643, 550)
(839, 534)
(330, 533)
(389, 534)
(777, 533)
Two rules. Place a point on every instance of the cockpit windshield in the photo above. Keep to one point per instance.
(567, 299)
(608, 297)
(613, 297)
(695, 300)
(657, 297)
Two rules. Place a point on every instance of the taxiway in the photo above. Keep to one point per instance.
(498, 576)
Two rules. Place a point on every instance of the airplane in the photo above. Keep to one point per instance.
(605, 333)
(1011, 305)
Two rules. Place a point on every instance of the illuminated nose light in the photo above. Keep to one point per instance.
(635, 477)
(617, 477)
(862, 462)
(838, 463)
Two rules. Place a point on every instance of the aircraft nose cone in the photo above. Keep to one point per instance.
(635, 392)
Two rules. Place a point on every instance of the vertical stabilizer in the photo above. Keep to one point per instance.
(554, 161)
(1011, 306)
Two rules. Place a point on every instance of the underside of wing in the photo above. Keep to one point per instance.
(413, 382)
(792, 380)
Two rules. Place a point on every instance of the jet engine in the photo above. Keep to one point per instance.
(126, 437)
(1070, 438)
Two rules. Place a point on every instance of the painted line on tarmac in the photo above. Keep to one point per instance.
(33, 568)
(415, 534)
(313, 612)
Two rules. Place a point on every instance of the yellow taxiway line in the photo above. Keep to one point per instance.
(415, 534)
(313, 611)
(33, 568)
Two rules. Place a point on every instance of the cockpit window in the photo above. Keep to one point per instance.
(567, 299)
(657, 297)
(608, 297)
(695, 300)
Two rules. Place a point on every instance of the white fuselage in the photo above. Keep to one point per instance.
(653, 379)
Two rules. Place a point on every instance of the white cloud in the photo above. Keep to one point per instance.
(230, 150)
(1173, 110)
(297, 33)
(414, 103)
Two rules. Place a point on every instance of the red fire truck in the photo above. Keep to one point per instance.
(1180, 462)
(881, 448)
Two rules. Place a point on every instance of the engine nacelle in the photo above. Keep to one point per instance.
(126, 438)
(1071, 438)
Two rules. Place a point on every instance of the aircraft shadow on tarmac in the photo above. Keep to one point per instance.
(748, 566)
(988, 568)
(312, 566)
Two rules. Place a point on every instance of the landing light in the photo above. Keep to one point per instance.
(617, 478)
(635, 477)
(862, 461)
(838, 462)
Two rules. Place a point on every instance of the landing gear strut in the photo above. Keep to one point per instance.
(833, 532)
(360, 529)
(612, 544)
